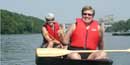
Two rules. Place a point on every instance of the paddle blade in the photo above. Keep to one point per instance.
(128, 50)
(51, 52)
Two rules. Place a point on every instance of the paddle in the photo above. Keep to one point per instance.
(53, 52)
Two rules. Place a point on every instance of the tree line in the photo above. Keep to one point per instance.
(14, 23)
(120, 26)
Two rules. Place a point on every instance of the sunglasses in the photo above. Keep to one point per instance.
(87, 14)
(49, 19)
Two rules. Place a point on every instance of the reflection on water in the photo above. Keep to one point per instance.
(20, 49)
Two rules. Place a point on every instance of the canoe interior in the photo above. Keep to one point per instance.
(59, 61)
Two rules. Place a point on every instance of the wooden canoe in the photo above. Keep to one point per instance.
(60, 61)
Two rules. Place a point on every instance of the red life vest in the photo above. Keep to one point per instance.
(83, 38)
(53, 33)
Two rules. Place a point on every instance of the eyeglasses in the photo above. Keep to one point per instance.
(87, 14)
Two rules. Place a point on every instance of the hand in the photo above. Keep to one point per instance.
(98, 55)
(56, 41)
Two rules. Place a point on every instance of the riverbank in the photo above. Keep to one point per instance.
(121, 34)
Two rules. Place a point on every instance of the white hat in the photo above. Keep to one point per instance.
(50, 16)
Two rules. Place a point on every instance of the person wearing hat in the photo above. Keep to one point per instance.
(52, 33)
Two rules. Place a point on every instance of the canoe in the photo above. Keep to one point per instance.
(61, 61)
(48, 60)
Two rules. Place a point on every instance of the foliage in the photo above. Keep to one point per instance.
(120, 26)
(14, 23)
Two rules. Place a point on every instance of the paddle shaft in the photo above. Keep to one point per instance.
(52, 52)
(89, 51)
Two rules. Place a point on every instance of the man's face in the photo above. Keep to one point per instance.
(87, 16)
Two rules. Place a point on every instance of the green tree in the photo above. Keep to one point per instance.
(14, 23)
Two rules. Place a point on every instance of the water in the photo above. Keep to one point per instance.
(118, 42)
(20, 49)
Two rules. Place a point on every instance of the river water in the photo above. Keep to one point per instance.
(19, 49)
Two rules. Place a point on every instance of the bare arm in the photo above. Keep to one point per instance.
(101, 42)
(68, 34)
(45, 34)
(61, 33)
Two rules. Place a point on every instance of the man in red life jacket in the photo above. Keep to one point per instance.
(85, 34)
(52, 33)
